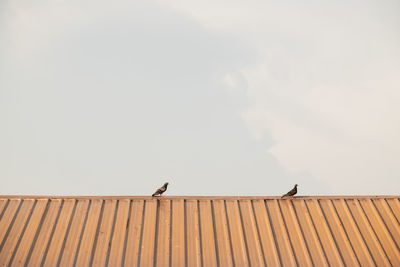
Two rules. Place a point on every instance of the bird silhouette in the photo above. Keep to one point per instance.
(291, 193)
(160, 190)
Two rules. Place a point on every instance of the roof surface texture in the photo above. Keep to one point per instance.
(199, 231)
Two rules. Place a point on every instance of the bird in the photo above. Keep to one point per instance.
(160, 190)
(291, 193)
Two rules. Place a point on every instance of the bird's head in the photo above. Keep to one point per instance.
(295, 185)
(166, 184)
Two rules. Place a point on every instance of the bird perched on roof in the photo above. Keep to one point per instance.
(291, 193)
(160, 190)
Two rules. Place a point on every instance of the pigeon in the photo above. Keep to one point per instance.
(160, 190)
(291, 193)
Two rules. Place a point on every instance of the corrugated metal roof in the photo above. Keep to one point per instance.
(200, 231)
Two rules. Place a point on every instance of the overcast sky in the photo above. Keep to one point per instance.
(216, 97)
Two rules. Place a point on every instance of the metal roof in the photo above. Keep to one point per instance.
(200, 231)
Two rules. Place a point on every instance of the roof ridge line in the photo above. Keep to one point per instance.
(196, 197)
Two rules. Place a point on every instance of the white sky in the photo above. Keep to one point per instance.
(216, 97)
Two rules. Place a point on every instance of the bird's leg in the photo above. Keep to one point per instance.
(292, 197)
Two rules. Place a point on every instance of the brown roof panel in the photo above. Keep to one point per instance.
(119, 233)
(163, 233)
(192, 233)
(87, 237)
(207, 230)
(72, 239)
(177, 235)
(200, 231)
(133, 234)
(147, 248)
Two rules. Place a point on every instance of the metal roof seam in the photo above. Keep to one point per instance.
(44, 234)
(282, 236)
(385, 224)
(395, 207)
(345, 232)
(185, 230)
(371, 229)
(243, 232)
(391, 221)
(391, 210)
(66, 233)
(156, 234)
(297, 222)
(118, 233)
(134, 231)
(96, 236)
(287, 232)
(229, 232)
(311, 238)
(82, 231)
(258, 232)
(3, 208)
(193, 233)
(126, 232)
(72, 237)
(358, 229)
(170, 233)
(222, 234)
(164, 233)
(22, 233)
(273, 232)
(387, 242)
(52, 232)
(112, 232)
(361, 208)
(256, 253)
(141, 233)
(178, 255)
(347, 248)
(215, 232)
(322, 230)
(105, 233)
(23, 255)
(147, 242)
(60, 233)
(330, 231)
(10, 224)
(200, 233)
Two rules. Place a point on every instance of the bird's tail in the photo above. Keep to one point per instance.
(153, 195)
(284, 196)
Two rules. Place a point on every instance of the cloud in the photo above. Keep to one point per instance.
(325, 85)
(91, 91)
(102, 99)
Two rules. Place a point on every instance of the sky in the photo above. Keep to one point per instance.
(215, 97)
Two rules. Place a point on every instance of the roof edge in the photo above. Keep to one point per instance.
(197, 197)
